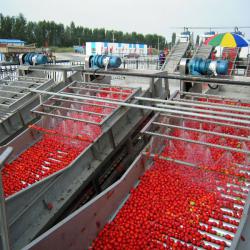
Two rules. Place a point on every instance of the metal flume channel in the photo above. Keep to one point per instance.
(197, 152)
(16, 101)
(73, 139)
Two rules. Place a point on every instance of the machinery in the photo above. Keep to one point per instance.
(103, 61)
(78, 136)
(32, 58)
(16, 101)
(199, 66)
(198, 142)
(92, 130)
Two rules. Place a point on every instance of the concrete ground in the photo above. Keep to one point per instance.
(70, 56)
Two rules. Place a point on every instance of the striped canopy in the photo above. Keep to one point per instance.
(230, 40)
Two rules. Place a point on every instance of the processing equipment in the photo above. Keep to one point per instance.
(103, 61)
(88, 136)
(200, 66)
(188, 189)
(59, 156)
(16, 101)
(33, 58)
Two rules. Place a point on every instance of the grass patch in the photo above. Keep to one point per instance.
(62, 49)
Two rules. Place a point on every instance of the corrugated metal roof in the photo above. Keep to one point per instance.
(11, 41)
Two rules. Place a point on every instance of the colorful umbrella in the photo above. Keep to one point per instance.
(229, 40)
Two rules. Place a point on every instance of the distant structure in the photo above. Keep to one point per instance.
(98, 48)
(206, 35)
(16, 42)
(9, 42)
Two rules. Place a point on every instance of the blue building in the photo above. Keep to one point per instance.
(12, 42)
(15, 42)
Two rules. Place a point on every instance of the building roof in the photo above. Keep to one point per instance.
(11, 41)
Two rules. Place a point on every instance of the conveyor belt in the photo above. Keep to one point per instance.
(174, 57)
(203, 51)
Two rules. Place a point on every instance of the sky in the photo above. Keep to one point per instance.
(143, 16)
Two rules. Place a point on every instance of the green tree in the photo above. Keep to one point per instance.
(53, 34)
(173, 38)
(197, 40)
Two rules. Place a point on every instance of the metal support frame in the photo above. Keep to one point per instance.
(3, 225)
(73, 110)
(213, 105)
(64, 117)
(214, 96)
(99, 90)
(124, 104)
(160, 74)
(206, 121)
(87, 103)
(202, 131)
(204, 111)
(195, 104)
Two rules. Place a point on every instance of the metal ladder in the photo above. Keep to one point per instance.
(174, 57)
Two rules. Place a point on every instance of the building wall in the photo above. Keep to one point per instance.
(98, 48)
(12, 42)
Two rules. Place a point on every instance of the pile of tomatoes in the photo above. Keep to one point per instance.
(176, 206)
(59, 145)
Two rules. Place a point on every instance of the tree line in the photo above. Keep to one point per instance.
(48, 33)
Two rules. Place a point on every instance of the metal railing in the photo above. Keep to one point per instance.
(10, 71)
(142, 63)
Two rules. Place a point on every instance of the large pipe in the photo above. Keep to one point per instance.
(162, 75)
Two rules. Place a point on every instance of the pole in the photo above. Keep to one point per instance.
(3, 220)
(162, 75)
(158, 45)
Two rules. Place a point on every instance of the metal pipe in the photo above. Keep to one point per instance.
(183, 163)
(10, 99)
(106, 85)
(205, 111)
(88, 103)
(71, 109)
(65, 117)
(161, 74)
(19, 87)
(201, 104)
(228, 106)
(207, 121)
(202, 131)
(212, 96)
(169, 159)
(198, 142)
(96, 97)
(23, 82)
(12, 92)
(132, 105)
(100, 90)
